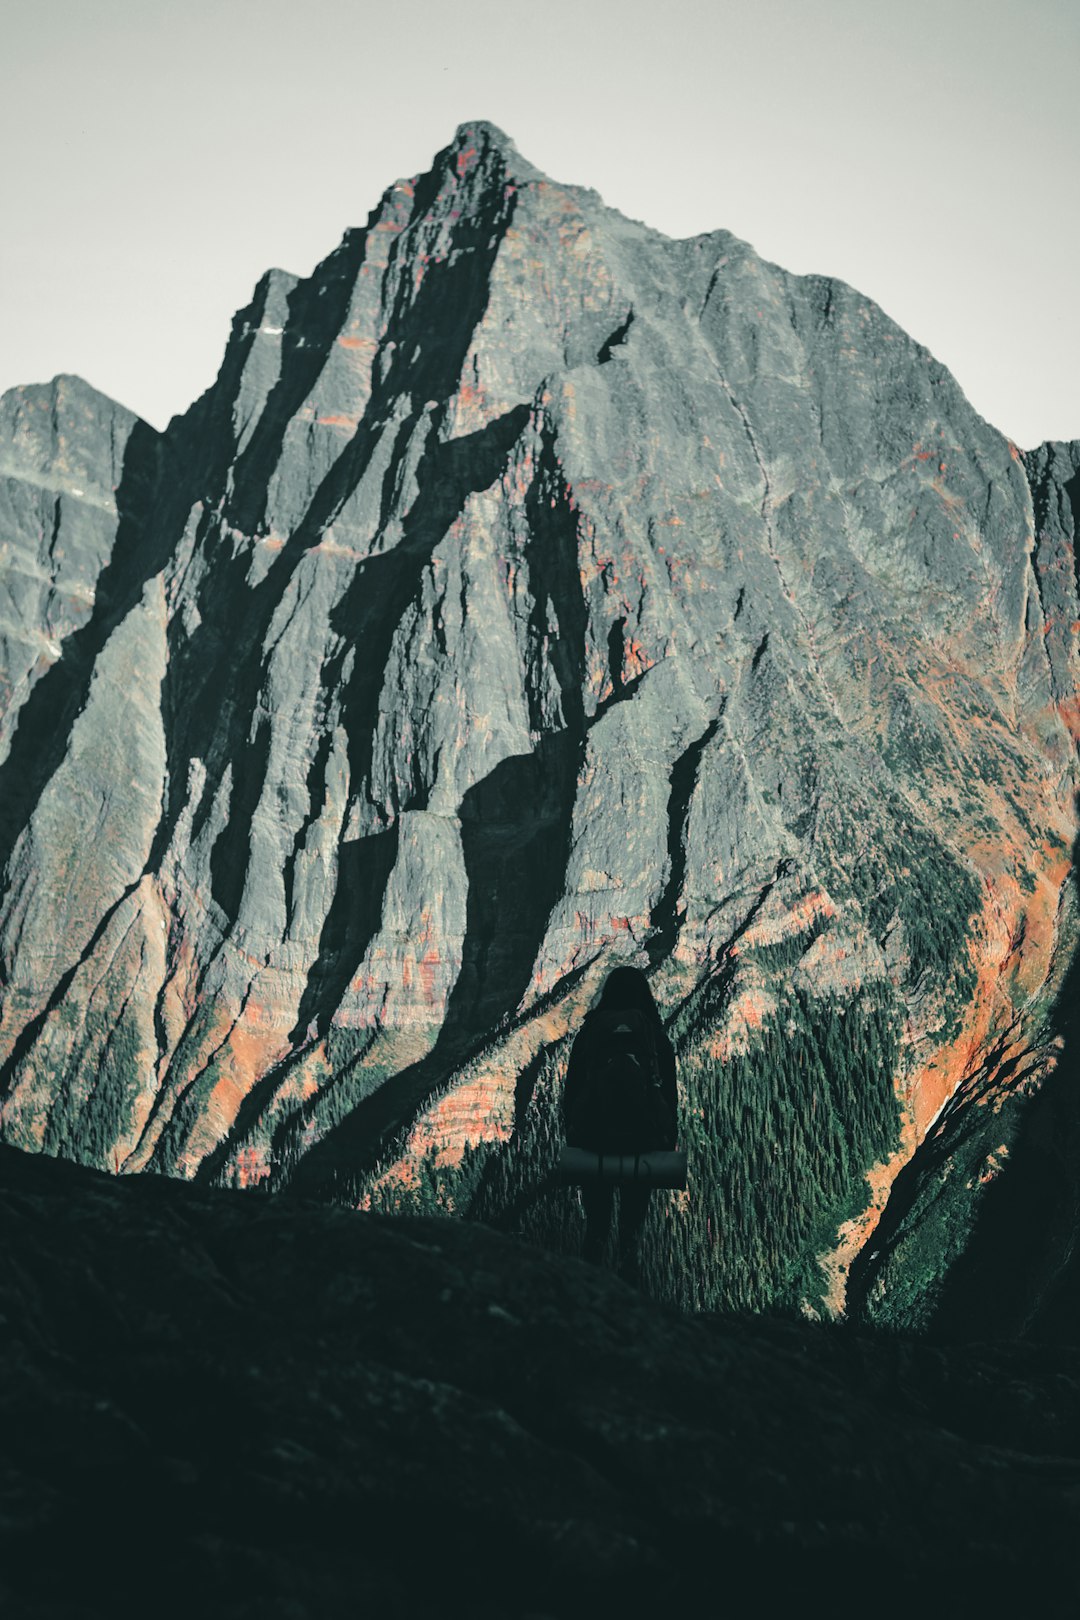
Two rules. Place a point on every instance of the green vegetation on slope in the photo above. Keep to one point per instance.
(779, 1139)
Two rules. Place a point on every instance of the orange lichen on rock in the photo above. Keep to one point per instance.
(480, 1110)
(199, 1056)
(748, 1011)
(993, 1164)
(1014, 938)
(795, 920)
(248, 1052)
(252, 1166)
(482, 1107)
(1069, 710)
(1013, 949)
(635, 660)
(519, 476)
(853, 1235)
(471, 408)
(403, 1175)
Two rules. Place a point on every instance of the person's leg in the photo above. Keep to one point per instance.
(598, 1199)
(633, 1207)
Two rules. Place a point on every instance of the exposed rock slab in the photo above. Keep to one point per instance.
(531, 592)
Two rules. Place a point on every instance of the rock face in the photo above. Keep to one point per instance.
(531, 593)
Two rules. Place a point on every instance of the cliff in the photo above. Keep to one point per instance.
(531, 592)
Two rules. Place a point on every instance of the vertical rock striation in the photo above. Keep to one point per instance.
(532, 592)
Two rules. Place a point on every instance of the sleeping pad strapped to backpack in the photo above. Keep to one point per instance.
(622, 1107)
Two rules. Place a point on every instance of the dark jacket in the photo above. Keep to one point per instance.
(581, 1056)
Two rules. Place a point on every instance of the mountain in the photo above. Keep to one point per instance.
(249, 1407)
(529, 593)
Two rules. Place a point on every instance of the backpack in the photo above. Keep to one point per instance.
(622, 1108)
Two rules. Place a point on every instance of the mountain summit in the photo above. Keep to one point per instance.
(532, 593)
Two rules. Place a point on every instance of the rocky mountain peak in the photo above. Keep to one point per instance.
(489, 144)
(531, 593)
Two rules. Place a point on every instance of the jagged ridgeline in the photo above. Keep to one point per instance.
(532, 593)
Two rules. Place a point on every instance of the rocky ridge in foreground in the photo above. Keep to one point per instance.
(528, 593)
(249, 1407)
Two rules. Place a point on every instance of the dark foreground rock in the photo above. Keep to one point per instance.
(239, 1406)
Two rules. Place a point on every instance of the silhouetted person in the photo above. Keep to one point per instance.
(620, 1097)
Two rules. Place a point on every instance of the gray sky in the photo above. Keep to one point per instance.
(160, 154)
